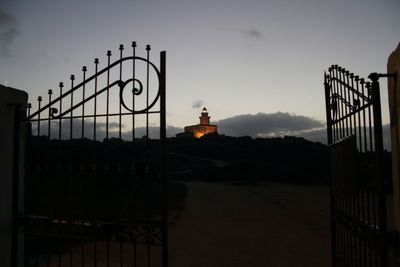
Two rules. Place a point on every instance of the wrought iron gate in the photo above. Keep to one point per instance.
(358, 189)
(95, 193)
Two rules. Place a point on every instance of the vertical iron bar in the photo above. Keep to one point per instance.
(346, 112)
(329, 135)
(147, 91)
(356, 212)
(84, 69)
(148, 250)
(70, 257)
(357, 79)
(50, 92)
(336, 107)
(374, 251)
(356, 105)
(343, 101)
(346, 197)
(350, 101)
(352, 198)
(61, 85)
(379, 174)
(371, 144)
(108, 90)
(133, 89)
(334, 101)
(121, 48)
(38, 127)
(121, 249)
(363, 115)
(340, 103)
(338, 113)
(134, 254)
(96, 62)
(83, 253)
(29, 106)
(163, 138)
(95, 253)
(361, 128)
(108, 251)
(15, 186)
(72, 104)
(343, 232)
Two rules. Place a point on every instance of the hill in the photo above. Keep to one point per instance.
(245, 160)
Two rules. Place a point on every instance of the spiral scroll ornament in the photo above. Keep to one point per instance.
(136, 91)
(53, 112)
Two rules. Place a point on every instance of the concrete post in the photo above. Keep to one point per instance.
(12, 103)
(393, 66)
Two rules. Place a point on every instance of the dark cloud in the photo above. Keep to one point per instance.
(252, 33)
(8, 32)
(198, 104)
(280, 124)
(267, 125)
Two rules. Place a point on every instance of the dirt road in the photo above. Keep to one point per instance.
(268, 225)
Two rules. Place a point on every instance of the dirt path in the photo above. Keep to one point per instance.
(268, 225)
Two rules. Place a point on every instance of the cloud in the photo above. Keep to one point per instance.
(252, 33)
(8, 32)
(198, 104)
(283, 124)
(267, 125)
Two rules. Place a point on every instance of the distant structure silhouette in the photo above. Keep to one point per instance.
(201, 129)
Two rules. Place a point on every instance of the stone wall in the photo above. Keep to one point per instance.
(11, 169)
(394, 106)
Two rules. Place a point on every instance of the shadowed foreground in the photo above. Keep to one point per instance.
(267, 225)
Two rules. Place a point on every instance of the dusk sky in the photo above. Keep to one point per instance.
(263, 58)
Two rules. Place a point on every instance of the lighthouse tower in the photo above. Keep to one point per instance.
(204, 118)
(201, 129)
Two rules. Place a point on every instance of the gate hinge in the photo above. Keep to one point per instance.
(375, 76)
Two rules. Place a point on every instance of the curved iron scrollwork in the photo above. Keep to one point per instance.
(53, 111)
(63, 108)
(138, 91)
(122, 84)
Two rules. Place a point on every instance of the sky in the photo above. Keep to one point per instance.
(255, 59)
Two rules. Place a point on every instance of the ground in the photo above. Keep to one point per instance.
(263, 225)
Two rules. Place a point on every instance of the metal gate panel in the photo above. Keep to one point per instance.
(95, 193)
(358, 208)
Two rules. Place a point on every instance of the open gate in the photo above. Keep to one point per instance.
(358, 184)
(95, 186)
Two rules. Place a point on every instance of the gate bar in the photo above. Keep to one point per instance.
(164, 181)
(375, 93)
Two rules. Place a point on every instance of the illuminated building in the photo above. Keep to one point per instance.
(203, 128)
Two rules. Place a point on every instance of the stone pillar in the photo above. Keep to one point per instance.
(12, 102)
(393, 65)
